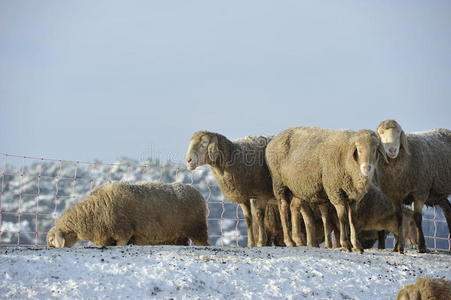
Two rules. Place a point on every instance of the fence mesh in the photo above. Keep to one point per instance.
(35, 191)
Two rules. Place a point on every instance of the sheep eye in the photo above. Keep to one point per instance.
(356, 154)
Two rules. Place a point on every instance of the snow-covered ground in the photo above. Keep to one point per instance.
(164, 272)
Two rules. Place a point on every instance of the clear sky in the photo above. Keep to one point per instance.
(84, 80)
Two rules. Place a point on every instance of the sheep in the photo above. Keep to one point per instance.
(319, 165)
(418, 171)
(239, 168)
(376, 212)
(121, 213)
(271, 223)
(426, 289)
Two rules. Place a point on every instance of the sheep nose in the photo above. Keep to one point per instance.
(190, 160)
(392, 150)
(366, 169)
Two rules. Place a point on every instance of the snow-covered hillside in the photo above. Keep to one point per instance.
(170, 272)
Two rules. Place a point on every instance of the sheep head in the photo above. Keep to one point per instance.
(366, 149)
(203, 149)
(59, 239)
(392, 137)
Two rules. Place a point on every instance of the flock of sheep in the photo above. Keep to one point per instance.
(295, 189)
(351, 183)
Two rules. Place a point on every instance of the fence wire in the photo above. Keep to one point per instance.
(35, 191)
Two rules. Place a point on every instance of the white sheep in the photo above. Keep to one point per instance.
(418, 171)
(121, 213)
(318, 165)
(426, 289)
(240, 169)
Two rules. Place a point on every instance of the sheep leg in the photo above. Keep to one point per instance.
(248, 217)
(352, 217)
(199, 241)
(310, 224)
(446, 207)
(198, 234)
(295, 209)
(417, 215)
(323, 208)
(283, 209)
(122, 242)
(342, 212)
(380, 240)
(335, 243)
(259, 214)
(399, 246)
(335, 228)
(282, 199)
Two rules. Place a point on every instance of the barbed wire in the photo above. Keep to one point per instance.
(226, 224)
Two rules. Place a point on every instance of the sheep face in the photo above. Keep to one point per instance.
(203, 149)
(366, 149)
(58, 239)
(392, 137)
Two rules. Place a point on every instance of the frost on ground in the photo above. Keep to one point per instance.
(143, 272)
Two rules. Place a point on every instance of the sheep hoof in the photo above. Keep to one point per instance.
(289, 243)
(423, 250)
(299, 243)
(345, 249)
(358, 250)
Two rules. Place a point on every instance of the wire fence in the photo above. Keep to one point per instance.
(35, 191)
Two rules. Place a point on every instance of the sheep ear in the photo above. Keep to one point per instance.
(382, 152)
(59, 239)
(404, 142)
(213, 150)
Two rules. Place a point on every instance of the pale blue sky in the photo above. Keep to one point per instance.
(84, 80)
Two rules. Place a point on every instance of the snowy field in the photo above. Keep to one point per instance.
(165, 272)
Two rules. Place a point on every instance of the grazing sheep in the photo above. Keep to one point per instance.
(319, 165)
(426, 289)
(120, 213)
(376, 212)
(418, 171)
(240, 170)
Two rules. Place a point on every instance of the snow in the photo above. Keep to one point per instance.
(164, 272)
